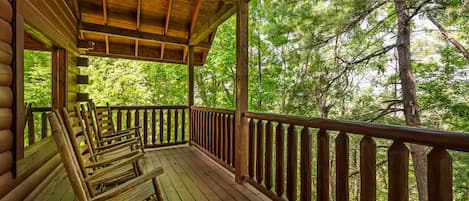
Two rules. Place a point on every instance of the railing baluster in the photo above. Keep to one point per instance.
(323, 166)
(268, 155)
(292, 162)
(367, 169)
(398, 165)
(221, 119)
(226, 138)
(252, 152)
(205, 131)
(153, 126)
(212, 131)
(161, 126)
(176, 125)
(44, 125)
(137, 118)
(145, 127)
(279, 162)
(183, 125)
(440, 175)
(260, 152)
(119, 120)
(220, 136)
(305, 166)
(216, 135)
(168, 125)
(232, 141)
(342, 165)
(31, 135)
(129, 119)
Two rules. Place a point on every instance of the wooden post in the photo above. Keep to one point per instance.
(241, 125)
(18, 85)
(59, 78)
(190, 91)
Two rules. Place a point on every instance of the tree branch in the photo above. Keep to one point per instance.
(449, 37)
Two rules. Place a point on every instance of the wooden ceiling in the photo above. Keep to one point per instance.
(154, 30)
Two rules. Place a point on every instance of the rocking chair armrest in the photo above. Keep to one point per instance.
(117, 146)
(122, 133)
(100, 174)
(113, 159)
(129, 184)
(110, 138)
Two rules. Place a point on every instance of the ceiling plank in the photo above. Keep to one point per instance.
(139, 9)
(136, 48)
(133, 34)
(105, 11)
(227, 11)
(195, 15)
(168, 16)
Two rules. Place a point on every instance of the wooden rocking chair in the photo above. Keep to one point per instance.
(105, 124)
(107, 143)
(86, 181)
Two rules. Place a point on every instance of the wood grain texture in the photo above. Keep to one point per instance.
(6, 97)
(440, 175)
(279, 159)
(323, 166)
(7, 33)
(367, 169)
(6, 11)
(6, 140)
(342, 166)
(6, 75)
(398, 165)
(292, 163)
(429, 137)
(305, 165)
(242, 55)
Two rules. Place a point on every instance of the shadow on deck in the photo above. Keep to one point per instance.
(189, 175)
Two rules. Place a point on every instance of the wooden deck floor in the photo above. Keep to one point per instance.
(189, 175)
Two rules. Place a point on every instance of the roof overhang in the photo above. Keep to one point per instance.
(152, 30)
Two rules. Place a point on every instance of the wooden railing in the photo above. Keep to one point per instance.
(213, 133)
(282, 144)
(160, 125)
(36, 123)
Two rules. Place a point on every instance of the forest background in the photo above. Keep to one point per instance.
(331, 59)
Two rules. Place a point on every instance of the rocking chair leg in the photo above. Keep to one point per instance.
(156, 186)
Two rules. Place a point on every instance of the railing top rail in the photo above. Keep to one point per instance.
(142, 107)
(436, 138)
(216, 110)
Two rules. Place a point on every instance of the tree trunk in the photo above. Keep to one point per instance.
(409, 97)
(259, 71)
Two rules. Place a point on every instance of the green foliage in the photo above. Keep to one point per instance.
(37, 77)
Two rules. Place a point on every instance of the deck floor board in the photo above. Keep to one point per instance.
(188, 175)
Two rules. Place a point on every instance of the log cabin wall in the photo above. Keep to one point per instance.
(40, 163)
(6, 96)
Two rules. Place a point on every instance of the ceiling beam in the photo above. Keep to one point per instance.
(227, 11)
(195, 15)
(105, 11)
(133, 34)
(150, 54)
(139, 9)
(168, 16)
